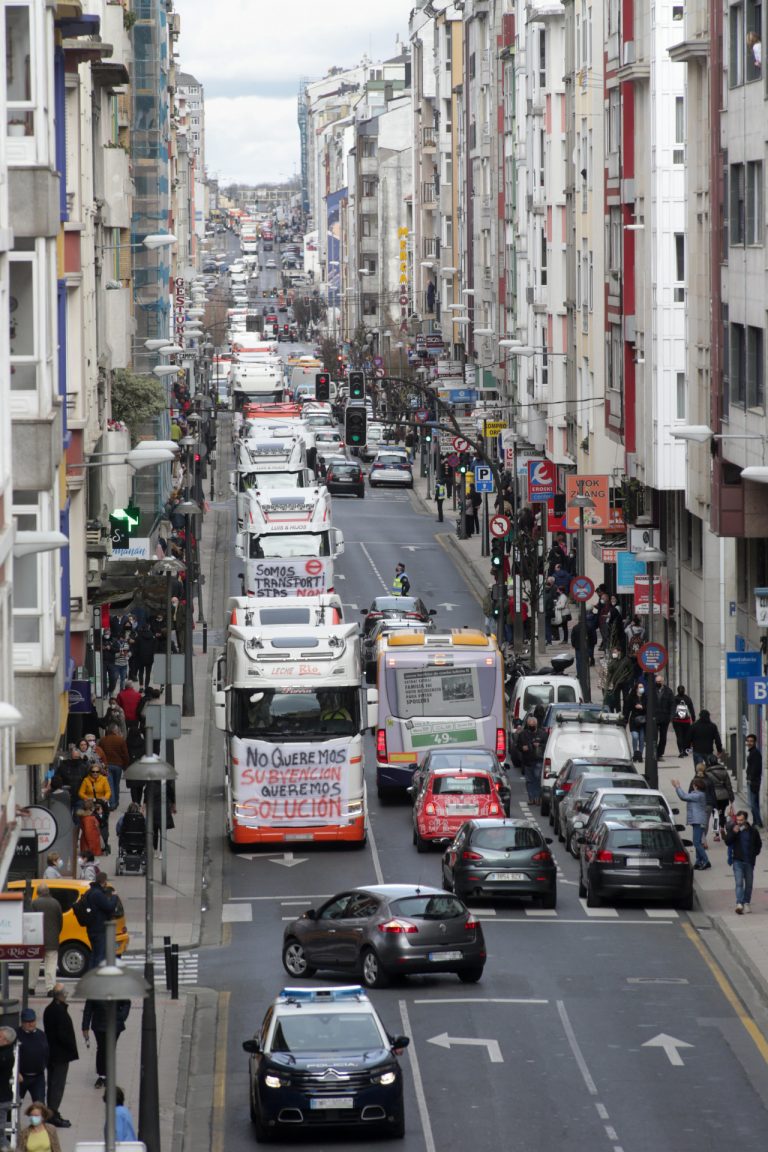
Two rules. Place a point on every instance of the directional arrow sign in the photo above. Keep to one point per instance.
(494, 1051)
(414, 547)
(448, 607)
(288, 860)
(670, 1046)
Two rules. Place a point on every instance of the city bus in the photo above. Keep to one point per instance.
(436, 690)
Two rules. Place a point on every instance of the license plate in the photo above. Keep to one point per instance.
(641, 862)
(445, 956)
(461, 809)
(507, 876)
(329, 1102)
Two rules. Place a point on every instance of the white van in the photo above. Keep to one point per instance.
(574, 733)
(529, 691)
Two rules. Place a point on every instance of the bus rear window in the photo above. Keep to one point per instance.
(437, 691)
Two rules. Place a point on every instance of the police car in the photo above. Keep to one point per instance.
(323, 1059)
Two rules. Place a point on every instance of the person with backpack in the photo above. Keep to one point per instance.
(92, 911)
(665, 707)
(745, 845)
(683, 716)
(704, 737)
(719, 789)
(635, 637)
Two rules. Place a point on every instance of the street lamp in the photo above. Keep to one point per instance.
(651, 557)
(188, 509)
(109, 983)
(149, 770)
(581, 502)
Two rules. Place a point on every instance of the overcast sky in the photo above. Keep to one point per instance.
(250, 56)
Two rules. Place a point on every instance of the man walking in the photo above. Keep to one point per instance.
(754, 777)
(115, 748)
(744, 841)
(33, 1056)
(62, 1050)
(52, 921)
(95, 1017)
(704, 738)
(665, 708)
(401, 585)
(103, 904)
(440, 494)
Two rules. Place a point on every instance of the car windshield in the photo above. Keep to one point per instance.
(397, 604)
(393, 461)
(428, 907)
(506, 839)
(326, 1032)
(658, 813)
(300, 711)
(591, 783)
(344, 470)
(461, 786)
(643, 839)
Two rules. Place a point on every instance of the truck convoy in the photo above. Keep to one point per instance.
(287, 542)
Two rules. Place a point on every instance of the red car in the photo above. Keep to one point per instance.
(448, 799)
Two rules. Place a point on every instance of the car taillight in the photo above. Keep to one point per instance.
(517, 708)
(493, 809)
(566, 787)
(604, 857)
(501, 743)
(429, 808)
(398, 928)
(471, 856)
(471, 924)
(543, 855)
(381, 744)
(547, 764)
(680, 858)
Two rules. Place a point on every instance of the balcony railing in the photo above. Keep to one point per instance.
(427, 193)
(428, 138)
(431, 245)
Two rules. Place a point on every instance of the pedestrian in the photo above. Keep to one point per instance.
(697, 816)
(40, 1135)
(704, 737)
(87, 868)
(530, 752)
(95, 1020)
(62, 1051)
(619, 679)
(170, 807)
(7, 1071)
(562, 614)
(33, 1056)
(90, 831)
(53, 866)
(635, 637)
(115, 748)
(475, 500)
(129, 700)
(592, 633)
(683, 717)
(665, 710)
(550, 599)
(103, 905)
(441, 492)
(720, 791)
(401, 585)
(754, 777)
(562, 578)
(95, 787)
(745, 845)
(109, 651)
(125, 1129)
(637, 717)
(122, 657)
(179, 621)
(52, 922)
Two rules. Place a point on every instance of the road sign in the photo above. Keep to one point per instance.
(460, 444)
(380, 373)
(542, 479)
(757, 690)
(743, 665)
(164, 720)
(499, 525)
(582, 589)
(483, 478)
(421, 415)
(452, 459)
(761, 607)
(652, 657)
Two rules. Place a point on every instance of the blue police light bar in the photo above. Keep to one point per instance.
(324, 995)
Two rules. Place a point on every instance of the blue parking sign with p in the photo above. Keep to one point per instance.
(757, 690)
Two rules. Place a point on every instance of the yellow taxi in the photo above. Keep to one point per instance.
(74, 945)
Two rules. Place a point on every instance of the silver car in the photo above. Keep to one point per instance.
(390, 468)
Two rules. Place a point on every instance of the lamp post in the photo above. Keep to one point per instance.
(108, 983)
(150, 770)
(650, 557)
(188, 509)
(581, 502)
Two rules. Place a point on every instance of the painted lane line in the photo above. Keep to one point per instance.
(236, 913)
(578, 1055)
(550, 912)
(592, 923)
(378, 574)
(293, 903)
(598, 912)
(482, 911)
(480, 1000)
(659, 913)
(602, 1111)
(375, 855)
(418, 1084)
(670, 1046)
(611, 1133)
(656, 980)
(301, 899)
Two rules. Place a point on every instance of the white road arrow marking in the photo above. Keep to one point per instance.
(354, 607)
(670, 1046)
(288, 860)
(340, 576)
(414, 547)
(446, 1041)
(448, 607)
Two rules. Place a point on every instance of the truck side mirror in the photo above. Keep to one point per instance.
(240, 546)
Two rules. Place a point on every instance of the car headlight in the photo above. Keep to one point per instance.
(385, 1078)
(272, 1081)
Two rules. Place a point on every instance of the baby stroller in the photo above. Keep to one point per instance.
(131, 843)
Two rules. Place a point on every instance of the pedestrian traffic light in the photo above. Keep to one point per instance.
(463, 465)
(355, 428)
(356, 386)
(497, 554)
(322, 386)
(123, 523)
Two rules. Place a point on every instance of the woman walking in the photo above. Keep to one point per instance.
(697, 816)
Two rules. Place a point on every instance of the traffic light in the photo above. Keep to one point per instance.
(322, 386)
(497, 554)
(356, 386)
(355, 427)
(124, 523)
(463, 464)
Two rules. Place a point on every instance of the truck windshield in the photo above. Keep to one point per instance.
(268, 480)
(287, 545)
(296, 712)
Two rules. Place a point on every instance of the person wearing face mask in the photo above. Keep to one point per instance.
(530, 751)
(62, 1051)
(618, 681)
(635, 714)
(33, 1055)
(665, 708)
(53, 867)
(40, 1136)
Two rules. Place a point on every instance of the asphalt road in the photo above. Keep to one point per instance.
(560, 1040)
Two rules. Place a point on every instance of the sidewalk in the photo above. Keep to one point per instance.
(745, 936)
(178, 908)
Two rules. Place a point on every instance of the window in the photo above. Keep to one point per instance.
(543, 258)
(753, 47)
(19, 71)
(22, 322)
(542, 58)
(736, 203)
(679, 288)
(755, 372)
(26, 573)
(678, 153)
(614, 120)
(615, 376)
(724, 208)
(738, 365)
(616, 238)
(680, 404)
(736, 45)
(754, 206)
(725, 345)
(368, 146)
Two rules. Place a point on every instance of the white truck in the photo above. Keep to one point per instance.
(288, 543)
(269, 612)
(265, 463)
(290, 702)
(256, 382)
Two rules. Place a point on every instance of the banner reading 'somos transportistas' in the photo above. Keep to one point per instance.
(291, 784)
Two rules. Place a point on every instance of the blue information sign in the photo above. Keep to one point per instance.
(483, 478)
(743, 665)
(652, 657)
(757, 690)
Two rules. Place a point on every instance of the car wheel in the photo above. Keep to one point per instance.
(582, 889)
(74, 959)
(263, 1134)
(545, 807)
(361, 494)
(421, 844)
(397, 1128)
(593, 900)
(295, 960)
(374, 975)
(551, 817)
(573, 845)
(550, 900)
(470, 975)
(447, 884)
(685, 903)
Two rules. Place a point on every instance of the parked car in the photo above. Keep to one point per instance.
(345, 478)
(586, 785)
(387, 930)
(374, 438)
(390, 468)
(462, 759)
(641, 860)
(501, 858)
(74, 944)
(575, 767)
(581, 734)
(449, 797)
(623, 804)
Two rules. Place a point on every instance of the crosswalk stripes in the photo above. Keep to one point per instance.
(189, 966)
(612, 914)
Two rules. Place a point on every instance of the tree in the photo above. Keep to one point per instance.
(329, 354)
(136, 399)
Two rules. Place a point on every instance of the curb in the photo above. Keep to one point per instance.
(194, 1086)
(756, 978)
